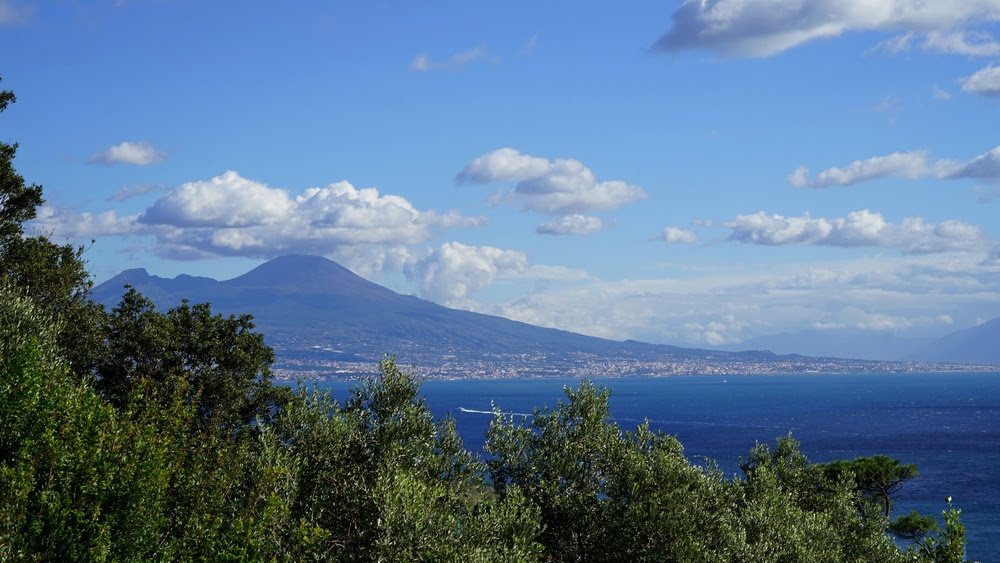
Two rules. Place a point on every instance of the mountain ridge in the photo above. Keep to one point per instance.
(322, 318)
(978, 344)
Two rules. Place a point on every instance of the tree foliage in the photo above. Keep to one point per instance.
(877, 478)
(223, 363)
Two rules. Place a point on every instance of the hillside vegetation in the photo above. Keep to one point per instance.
(135, 434)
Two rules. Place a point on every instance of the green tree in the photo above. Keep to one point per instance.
(224, 364)
(929, 543)
(78, 481)
(788, 509)
(877, 478)
(382, 480)
(18, 199)
(605, 494)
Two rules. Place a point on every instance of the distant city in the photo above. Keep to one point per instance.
(323, 363)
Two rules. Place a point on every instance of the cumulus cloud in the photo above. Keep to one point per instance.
(859, 228)
(450, 273)
(678, 235)
(233, 216)
(504, 164)
(907, 165)
(224, 201)
(551, 187)
(423, 63)
(985, 82)
(761, 28)
(725, 330)
(371, 260)
(984, 167)
(63, 222)
(139, 153)
(571, 225)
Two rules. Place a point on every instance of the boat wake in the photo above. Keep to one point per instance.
(473, 411)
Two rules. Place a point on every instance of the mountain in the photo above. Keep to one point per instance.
(979, 344)
(864, 345)
(319, 294)
(323, 319)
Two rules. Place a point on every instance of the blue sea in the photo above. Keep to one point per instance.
(946, 424)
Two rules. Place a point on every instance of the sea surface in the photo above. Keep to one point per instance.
(946, 424)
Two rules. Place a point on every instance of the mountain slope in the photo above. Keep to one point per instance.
(312, 293)
(979, 344)
(321, 318)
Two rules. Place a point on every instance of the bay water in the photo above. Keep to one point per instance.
(946, 424)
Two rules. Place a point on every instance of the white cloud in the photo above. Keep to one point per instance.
(139, 153)
(725, 330)
(959, 42)
(799, 177)
(678, 235)
(423, 63)
(864, 320)
(761, 28)
(452, 219)
(858, 229)
(501, 165)
(985, 82)
(224, 201)
(950, 41)
(908, 165)
(551, 187)
(61, 222)
(571, 225)
(923, 294)
(984, 167)
(232, 216)
(453, 271)
(371, 260)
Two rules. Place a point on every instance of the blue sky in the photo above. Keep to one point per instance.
(696, 173)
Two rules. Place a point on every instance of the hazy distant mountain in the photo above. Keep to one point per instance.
(865, 345)
(312, 309)
(979, 344)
